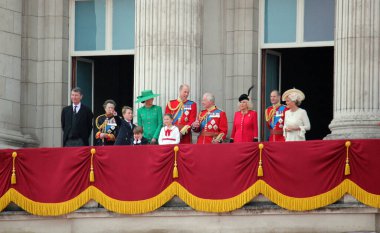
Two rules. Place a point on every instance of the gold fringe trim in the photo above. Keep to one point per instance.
(5, 200)
(48, 209)
(363, 196)
(221, 205)
(134, 207)
(197, 203)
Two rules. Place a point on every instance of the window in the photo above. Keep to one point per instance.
(280, 21)
(90, 26)
(102, 27)
(297, 23)
(319, 20)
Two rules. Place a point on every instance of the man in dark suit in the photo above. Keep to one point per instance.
(125, 135)
(76, 121)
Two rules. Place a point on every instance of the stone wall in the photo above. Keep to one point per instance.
(44, 81)
(230, 51)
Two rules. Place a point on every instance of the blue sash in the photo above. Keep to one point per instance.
(180, 111)
(205, 121)
(277, 118)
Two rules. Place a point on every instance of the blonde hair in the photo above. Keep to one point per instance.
(250, 105)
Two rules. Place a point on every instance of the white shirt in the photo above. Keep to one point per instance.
(297, 118)
(78, 107)
(169, 135)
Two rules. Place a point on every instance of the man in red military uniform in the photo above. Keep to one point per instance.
(211, 122)
(275, 117)
(184, 113)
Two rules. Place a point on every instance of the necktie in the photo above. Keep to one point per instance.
(75, 109)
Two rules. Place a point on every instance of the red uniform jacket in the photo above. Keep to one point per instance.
(244, 128)
(275, 118)
(184, 114)
(213, 125)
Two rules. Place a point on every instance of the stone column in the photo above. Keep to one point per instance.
(168, 47)
(44, 79)
(10, 75)
(357, 70)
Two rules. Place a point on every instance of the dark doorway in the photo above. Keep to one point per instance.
(102, 78)
(113, 77)
(312, 71)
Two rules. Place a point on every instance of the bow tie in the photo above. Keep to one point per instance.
(136, 141)
(167, 132)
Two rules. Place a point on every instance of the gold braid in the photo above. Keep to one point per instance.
(200, 118)
(180, 105)
(269, 116)
(102, 126)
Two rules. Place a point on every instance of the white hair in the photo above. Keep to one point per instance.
(210, 97)
(184, 85)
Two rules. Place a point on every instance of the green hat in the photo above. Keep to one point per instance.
(145, 95)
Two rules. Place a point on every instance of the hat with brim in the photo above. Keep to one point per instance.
(145, 95)
(300, 96)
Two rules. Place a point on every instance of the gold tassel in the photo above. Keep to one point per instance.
(13, 178)
(347, 170)
(92, 175)
(260, 171)
(175, 169)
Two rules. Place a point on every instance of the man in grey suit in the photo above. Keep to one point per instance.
(76, 121)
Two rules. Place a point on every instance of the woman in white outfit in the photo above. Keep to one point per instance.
(296, 119)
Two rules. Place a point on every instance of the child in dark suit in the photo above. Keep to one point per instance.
(138, 136)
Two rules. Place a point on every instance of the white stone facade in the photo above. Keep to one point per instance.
(357, 70)
(212, 45)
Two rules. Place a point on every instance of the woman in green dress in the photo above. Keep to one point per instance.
(149, 116)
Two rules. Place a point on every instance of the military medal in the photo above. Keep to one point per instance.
(187, 113)
(209, 126)
(186, 119)
(215, 127)
(213, 122)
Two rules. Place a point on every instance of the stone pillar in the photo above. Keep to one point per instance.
(241, 53)
(44, 79)
(357, 70)
(10, 75)
(168, 47)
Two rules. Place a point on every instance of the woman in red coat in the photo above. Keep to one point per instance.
(245, 126)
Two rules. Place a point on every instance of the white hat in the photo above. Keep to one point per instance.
(293, 94)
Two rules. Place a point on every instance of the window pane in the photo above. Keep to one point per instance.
(319, 20)
(280, 21)
(123, 30)
(90, 25)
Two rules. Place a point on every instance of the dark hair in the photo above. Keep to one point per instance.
(138, 129)
(125, 108)
(169, 115)
(109, 102)
(77, 89)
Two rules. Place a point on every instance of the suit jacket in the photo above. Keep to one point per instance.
(144, 141)
(82, 128)
(125, 136)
